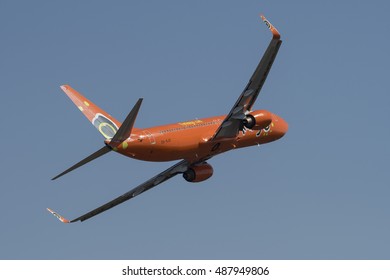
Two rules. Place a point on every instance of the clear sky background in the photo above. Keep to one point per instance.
(321, 192)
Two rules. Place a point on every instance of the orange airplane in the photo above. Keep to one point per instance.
(192, 142)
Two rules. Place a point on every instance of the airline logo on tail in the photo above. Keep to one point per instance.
(104, 123)
(105, 126)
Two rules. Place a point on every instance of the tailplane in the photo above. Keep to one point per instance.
(114, 132)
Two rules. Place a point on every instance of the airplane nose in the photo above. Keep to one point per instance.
(282, 127)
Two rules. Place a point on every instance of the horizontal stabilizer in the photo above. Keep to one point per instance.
(120, 135)
(127, 126)
(95, 155)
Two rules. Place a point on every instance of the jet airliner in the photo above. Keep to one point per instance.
(191, 143)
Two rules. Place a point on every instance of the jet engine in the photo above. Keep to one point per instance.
(198, 173)
(257, 120)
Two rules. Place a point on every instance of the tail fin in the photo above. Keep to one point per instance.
(104, 123)
(116, 139)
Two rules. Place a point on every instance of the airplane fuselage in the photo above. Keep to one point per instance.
(190, 140)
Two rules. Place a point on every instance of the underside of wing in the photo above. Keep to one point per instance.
(113, 131)
(233, 122)
(180, 167)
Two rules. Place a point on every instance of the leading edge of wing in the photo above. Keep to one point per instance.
(180, 167)
(230, 127)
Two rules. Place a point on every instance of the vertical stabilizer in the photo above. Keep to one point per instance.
(104, 123)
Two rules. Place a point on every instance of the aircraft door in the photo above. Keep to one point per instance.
(149, 136)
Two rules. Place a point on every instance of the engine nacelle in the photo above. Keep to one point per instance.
(198, 173)
(258, 119)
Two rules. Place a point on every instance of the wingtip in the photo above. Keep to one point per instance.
(58, 216)
(64, 87)
(56, 177)
(274, 31)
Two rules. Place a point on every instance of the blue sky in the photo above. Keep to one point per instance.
(321, 192)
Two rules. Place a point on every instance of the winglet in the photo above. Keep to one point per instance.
(274, 31)
(58, 216)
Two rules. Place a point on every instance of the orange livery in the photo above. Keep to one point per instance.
(192, 142)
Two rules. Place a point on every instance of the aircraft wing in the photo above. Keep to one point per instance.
(232, 124)
(180, 167)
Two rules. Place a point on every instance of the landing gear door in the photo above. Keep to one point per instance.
(149, 136)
